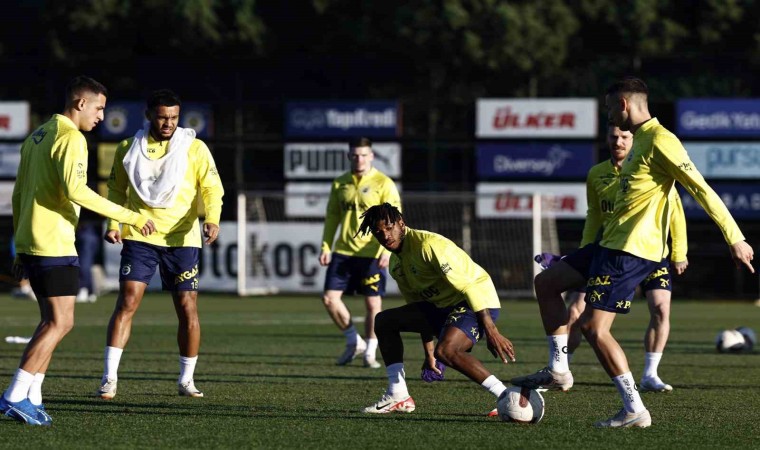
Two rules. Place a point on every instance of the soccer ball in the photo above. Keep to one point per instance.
(521, 405)
(730, 341)
(750, 338)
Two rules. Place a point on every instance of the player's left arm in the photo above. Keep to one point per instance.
(672, 157)
(678, 234)
(212, 191)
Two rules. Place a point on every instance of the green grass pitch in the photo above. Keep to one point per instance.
(267, 369)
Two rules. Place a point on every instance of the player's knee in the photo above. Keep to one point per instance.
(383, 323)
(544, 284)
(329, 301)
(445, 353)
(62, 325)
(589, 331)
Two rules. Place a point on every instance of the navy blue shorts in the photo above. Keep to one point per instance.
(457, 316)
(52, 276)
(580, 260)
(659, 278)
(613, 277)
(352, 274)
(178, 266)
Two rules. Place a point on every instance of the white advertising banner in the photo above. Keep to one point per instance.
(309, 199)
(305, 199)
(725, 159)
(14, 120)
(515, 200)
(10, 158)
(283, 257)
(6, 192)
(328, 160)
(544, 118)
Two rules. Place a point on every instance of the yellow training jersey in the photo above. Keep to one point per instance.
(433, 269)
(602, 185)
(176, 226)
(349, 198)
(639, 224)
(51, 185)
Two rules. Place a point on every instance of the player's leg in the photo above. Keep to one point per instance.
(338, 279)
(188, 339)
(389, 325)
(566, 274)
(613, 278)
(577, 304)
(374, 305)
(138, 265)
(655, 339)
(373, 287)
(179, 275)
(461, 332)
(55, 281)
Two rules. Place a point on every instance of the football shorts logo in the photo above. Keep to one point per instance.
(623, 304)
(126, 269)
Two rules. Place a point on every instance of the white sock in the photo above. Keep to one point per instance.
(493, 385)
(371, 348)
(396, 382)
(112, 357)
(651, 361)
(35, 390)
(19, 387)
(187, 368)
(627, 389)
(558, 353)
(352, 337)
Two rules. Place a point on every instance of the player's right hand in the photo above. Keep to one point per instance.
(324, 258)
(500, 347)
(742, 253)
(148, 229)
(112, 236)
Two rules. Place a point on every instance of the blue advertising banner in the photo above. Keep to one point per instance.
(123, 119)
(716, 117)
(374, 119)
(725, 159)
(534, 159)
(742, 200)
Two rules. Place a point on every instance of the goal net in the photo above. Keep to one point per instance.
(279, 235)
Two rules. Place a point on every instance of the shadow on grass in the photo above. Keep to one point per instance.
(200, 408)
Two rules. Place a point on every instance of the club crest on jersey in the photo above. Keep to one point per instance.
(126, 269)
(685, 166)
(39, 135)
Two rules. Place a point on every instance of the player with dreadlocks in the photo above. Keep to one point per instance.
(447, 295)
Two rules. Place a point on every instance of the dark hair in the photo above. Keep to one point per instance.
(360, 142)
(81, 84)
(163, 97)
(628, 85)
(376, 213)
